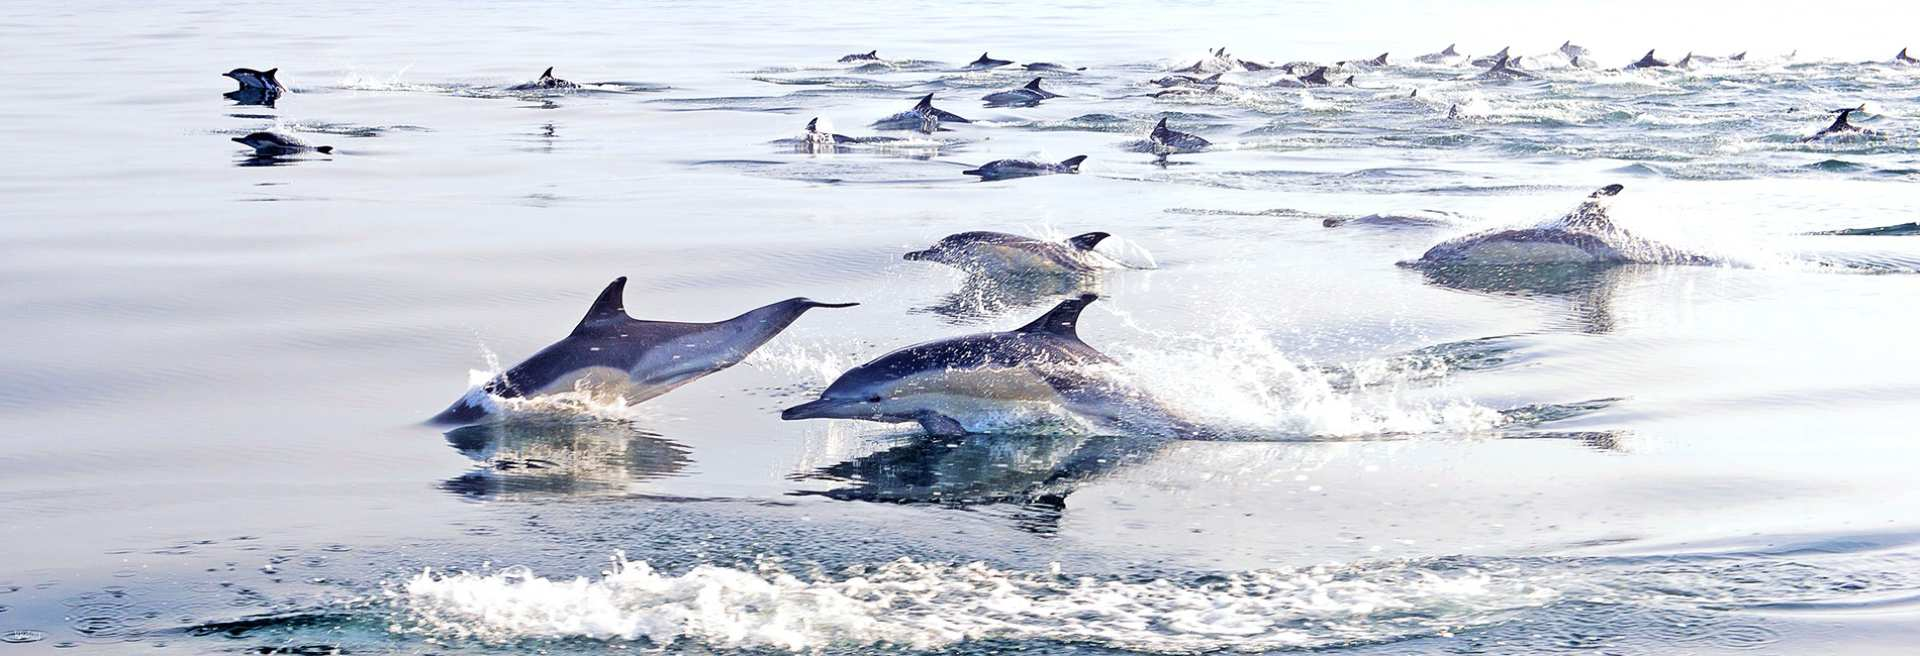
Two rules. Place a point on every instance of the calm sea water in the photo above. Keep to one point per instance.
(214, 370)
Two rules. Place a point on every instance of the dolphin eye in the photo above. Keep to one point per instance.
(875, 398)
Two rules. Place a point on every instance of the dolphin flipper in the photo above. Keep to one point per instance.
(939, 425)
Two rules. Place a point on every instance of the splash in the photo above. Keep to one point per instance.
(919, 605)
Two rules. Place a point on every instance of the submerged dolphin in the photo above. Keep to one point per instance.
(923, 117)
(1004, 169)
(1584, 236)
(1031, 94)
(1648, 61)
(1167, 140)
(268, 144)
(1449, 55)
(1839, 126)
(870, 55)
(1504, 70)
(999, 253)
(545, 81)
(985, 62)
(641, 359)
(996, 381)
(264, 81)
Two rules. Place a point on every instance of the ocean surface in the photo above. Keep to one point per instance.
(215, 369)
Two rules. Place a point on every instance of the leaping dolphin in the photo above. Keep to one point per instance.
(1584, 236)
(1004, 255)
(1444, 56)
(1007, 169)
(996, 381)
(1839, 126)
(640, 359)
(1167, 140)
(264, 81)
(923, 117)
(870, 55)
(1028, 95)
(985, 62)
(1647, 61)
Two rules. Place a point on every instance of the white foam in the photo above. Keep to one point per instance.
(931, 605)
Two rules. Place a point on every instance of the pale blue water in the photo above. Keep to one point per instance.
(215, 373)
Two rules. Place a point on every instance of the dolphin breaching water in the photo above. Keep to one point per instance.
(545, 81)
(264, 81)
(923, 117)
(268, 144)
(985, 62)
(1647, 61)
(1037, 374)
(1002, 254)
(1839, 126)
(611, 352)
(1504, 70)
(1166, 140)
(1447, 56)
(1584, 236)
(1007, 169)
(1028, 95)
(870, 55)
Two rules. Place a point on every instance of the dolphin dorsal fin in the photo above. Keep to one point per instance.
(813, 125)
(1503, 52)
(1073, 163)
(1347, 82)
(1062, 319)
(1318, 76)
(608, 309)
(1566, 43)
(1449, 51)
(1034, 85)
(271, 71)
(1161, 126)
(874, 52)
(1087, 241)
(983, 59)
(926, 102)
(547, 74)
(1381, 60)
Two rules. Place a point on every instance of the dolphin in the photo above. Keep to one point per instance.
(1318, 76)
(1742, 56)
(546, 81)
(1179, 80)
(818, 136)
(1839, 126)
(985, 62)
(923, 117)
(1167, 140)
(870, 55)
(264, 81)
(1028, 95)
(1904, 58)
(1005, 169)
(268, 144)
(1647, 61)
(1002, 254)
(1567, 48)
(1050, 67)
(1584, 236)
(641, 359)
(1504, 70)
(1490, 60)
(1578, 61)
(1449, 55)
(1687, 61)
(996, 381)
(1376, 61)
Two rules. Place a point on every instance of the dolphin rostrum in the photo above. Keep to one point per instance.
(995, 382)
(999, 253)
(1584, 236)
(639, 359)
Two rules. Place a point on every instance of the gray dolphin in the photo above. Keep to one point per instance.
(1038, 67)
(268, 144)
(1180, 80)
(1006, 169)
(1567, 48)
(264, 81)
(545, 81)
(923, 117)
(1648, 61)
(1839, 126)
(1004, 254)
(1584, 236)
(870, 55)
(1447, 56)
(1318, 76)
(1028, 95)
(1167, 140)
(996, 381)
(1504, 70)
(640, 359)
(1490, 59)
(985, 62)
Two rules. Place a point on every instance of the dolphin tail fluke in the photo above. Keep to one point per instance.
(325, 150)
(1062, 319)
(609, 307)
(1087, 241)
(1073, 163)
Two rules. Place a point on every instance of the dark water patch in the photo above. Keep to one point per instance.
(561, 456)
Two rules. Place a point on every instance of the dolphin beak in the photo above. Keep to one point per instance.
(238, 140)
(816, 409)
(817, 304)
